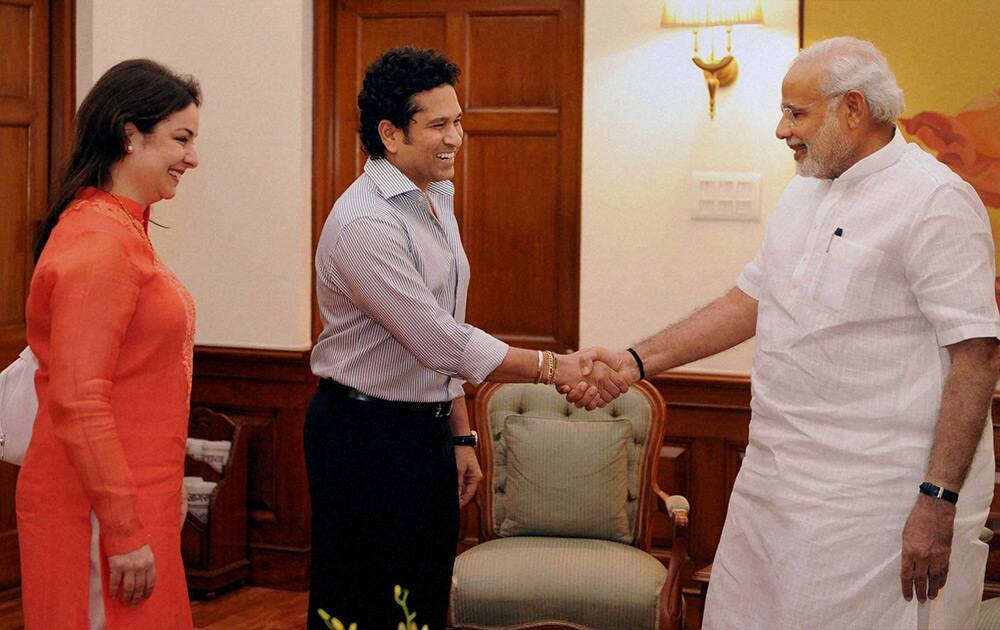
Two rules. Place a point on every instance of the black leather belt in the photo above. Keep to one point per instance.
(435, 409)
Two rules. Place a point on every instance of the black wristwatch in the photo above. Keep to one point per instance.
(938, 493)
(466, 440)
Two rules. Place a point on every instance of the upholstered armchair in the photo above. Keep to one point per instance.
(565, 511)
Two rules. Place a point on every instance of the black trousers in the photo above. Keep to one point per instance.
(384, 491)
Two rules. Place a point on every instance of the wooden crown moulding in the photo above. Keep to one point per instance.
(252, 364)
(712, 390)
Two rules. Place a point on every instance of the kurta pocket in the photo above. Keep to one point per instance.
(846, 277)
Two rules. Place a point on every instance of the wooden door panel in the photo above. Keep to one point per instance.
(15, 41)
(24, 59)
(511, 62)
(509, 234)
(14, 228)
(381, 33)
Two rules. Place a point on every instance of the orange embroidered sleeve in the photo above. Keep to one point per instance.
(94, 291)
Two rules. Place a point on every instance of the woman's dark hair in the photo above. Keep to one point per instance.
(137, 91)
(389, 85)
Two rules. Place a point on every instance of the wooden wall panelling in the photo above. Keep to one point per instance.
(711, 416)
(266, 393)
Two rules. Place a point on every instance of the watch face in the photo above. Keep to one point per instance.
(466, 440)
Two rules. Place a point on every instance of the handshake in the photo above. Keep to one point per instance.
(593, 377)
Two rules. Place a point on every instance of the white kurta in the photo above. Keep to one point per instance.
(847, 382)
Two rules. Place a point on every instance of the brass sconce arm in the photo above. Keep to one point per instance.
(717, 73)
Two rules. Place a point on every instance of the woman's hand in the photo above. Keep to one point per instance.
(135, 573)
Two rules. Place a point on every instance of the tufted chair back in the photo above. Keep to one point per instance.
(565, 508)
(530, 438)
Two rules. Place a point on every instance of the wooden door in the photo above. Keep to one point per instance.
(36, 105)
(518, 173)
(24, 99)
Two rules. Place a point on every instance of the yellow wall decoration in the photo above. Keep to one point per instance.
(944, 54)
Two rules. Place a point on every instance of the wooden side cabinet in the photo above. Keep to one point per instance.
(215, 550)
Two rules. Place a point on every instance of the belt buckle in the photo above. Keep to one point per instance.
(439, 409)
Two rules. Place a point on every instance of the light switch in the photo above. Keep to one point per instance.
(725, 196)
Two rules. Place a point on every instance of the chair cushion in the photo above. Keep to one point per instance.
(593, 583)
(566, 478)
(989, 615)
(543, 401)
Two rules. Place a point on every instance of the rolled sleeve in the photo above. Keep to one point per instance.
(483, 354)
(749, 281)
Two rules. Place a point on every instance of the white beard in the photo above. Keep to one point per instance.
(827, 154)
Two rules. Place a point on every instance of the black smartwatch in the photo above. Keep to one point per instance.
(466, 440)
(938, 493)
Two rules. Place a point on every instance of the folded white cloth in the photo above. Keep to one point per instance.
(18, 406)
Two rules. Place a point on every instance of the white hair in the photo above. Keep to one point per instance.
(855, 64)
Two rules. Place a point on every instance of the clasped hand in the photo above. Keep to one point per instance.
(593, 377)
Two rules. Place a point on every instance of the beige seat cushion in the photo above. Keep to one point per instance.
(593, 583)
(566, 478)
(989, 615)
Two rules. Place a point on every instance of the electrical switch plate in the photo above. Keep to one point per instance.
(725, 196)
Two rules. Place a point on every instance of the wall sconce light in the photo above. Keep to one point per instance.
(698, 14)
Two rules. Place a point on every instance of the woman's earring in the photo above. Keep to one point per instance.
(129, 148)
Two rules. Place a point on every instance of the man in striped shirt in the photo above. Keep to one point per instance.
(387, 436)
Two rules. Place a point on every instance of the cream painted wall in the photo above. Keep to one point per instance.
(239, 232)
(645, 262)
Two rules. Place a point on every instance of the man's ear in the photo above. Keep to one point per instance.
(391, 136)
(857, 108)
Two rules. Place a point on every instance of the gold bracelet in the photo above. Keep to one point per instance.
(550, 362)
(538, 377)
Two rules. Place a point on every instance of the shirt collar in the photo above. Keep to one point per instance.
(883, 158)
(390, 181)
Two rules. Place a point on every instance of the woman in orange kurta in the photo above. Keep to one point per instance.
(113, 330)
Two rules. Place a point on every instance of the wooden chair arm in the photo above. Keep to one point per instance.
(677, 507)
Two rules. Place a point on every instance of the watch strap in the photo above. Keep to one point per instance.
(938, 492)
(466, 440)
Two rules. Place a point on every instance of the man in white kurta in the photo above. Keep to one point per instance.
(847, 384)
(873, 307)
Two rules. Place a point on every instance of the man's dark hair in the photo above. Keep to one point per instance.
(389, 85)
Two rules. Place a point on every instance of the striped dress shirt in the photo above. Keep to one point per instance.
(391, 285)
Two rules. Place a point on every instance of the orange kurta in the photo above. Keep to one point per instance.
(113, 330)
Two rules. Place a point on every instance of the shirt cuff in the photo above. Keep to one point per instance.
(483, 354)
(969, 331)
(124, 537)
(747, 286)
